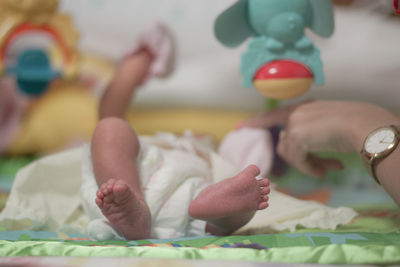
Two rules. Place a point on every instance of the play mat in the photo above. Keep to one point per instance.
(373, 237)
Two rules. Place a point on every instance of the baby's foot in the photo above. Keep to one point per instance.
(240, 194)
(158, 40)
(127, 212)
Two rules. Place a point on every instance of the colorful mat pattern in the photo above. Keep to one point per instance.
(371, 238)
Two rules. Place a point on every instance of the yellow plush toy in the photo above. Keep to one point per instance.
(67, 116)
(60, 118)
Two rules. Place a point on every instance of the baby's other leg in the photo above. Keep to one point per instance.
(129, 76)
(231, 203)
(152, 56)
(115, 147)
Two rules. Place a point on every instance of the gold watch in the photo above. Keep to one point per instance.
(378, 145)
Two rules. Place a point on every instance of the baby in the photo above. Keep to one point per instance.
(123, 163)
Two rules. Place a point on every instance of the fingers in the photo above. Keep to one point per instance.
(305, 131)
(320, 166)
(294, 151)
(327, 163)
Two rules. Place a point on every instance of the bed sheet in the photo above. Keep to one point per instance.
(8, 168)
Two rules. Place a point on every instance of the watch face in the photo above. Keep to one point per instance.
(380, 140)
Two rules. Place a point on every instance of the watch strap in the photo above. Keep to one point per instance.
(370, 165)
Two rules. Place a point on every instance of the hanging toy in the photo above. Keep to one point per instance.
(281, 62)
(282, 79)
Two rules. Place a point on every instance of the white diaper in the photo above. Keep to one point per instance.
(172, 173)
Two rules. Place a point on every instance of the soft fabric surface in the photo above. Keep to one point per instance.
(372, 238)
(45, 195)
(129, 262)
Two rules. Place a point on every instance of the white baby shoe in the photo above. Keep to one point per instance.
(158, 40)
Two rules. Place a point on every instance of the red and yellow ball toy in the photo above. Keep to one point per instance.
(283, 79)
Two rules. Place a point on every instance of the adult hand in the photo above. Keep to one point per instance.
(322, 126)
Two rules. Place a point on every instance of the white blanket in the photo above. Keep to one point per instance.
(46, 194)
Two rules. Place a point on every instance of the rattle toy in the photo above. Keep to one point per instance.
(33, 72)
(37, 44)
(281, 61)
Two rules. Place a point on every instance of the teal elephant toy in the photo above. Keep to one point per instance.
(277, 28)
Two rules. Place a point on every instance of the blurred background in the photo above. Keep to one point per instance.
(86, 39)
(361, 60)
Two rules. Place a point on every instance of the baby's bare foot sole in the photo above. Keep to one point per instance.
(127, 212)
(237, 195)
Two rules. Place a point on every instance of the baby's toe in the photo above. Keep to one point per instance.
(264, 182)
(100, 194)
(264, 198)
(120, 187)
(263, 205)
(99, 202)
(110, 184)
(265, 190)
(252, 170)
(107, 187)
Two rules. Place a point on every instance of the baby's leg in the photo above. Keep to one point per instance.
(153, 56)
(231, 203)
(115, 147)
(129, 76)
